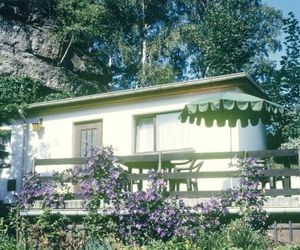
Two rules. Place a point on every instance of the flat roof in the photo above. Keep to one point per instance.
(240, 79)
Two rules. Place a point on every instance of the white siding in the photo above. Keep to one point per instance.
(56, 140)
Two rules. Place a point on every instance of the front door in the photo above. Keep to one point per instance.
(87, 135)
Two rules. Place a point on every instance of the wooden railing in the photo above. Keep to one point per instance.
(158, 161)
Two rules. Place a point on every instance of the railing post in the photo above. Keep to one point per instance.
(130, 184)
(33, 165)
(159, 163)
(298, 155)
(290, 232)
(287, 179)
(275, 231)
(140, 183)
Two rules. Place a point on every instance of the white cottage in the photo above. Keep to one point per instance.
(133, 121)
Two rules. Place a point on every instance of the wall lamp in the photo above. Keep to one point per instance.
(38, 126)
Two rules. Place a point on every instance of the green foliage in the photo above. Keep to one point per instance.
(51, 229)
(143, 43)
(156, 75)
(47, 231)
(288, 79)
(172, 244)
(288, 247)
(14, 93)
(241, 235)
(78, 19)
(238, 234)
(226, 41)
(96, 244)
(21, 90)
(291, 143)
(100, 226)
(6, 242)
(283, 85)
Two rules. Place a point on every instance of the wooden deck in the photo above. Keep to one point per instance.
(287, 169)
(283, 199)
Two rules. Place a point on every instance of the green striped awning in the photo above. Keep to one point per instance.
(231, 106)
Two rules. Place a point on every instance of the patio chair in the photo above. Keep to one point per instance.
(272, 180)
(192, 184)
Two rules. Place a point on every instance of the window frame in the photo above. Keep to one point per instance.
(151, 115)
(137, 119)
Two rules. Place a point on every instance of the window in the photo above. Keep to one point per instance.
(87, 135)
(11, 185)
(145, 134)
(162, 132)
(5, 148)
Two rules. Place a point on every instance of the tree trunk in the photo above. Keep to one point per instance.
(66, 51)
(144, 44)
(109, 61)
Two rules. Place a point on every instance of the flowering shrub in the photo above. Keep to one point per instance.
(100, 179)
(137, 218)
(151, 215)
(46, 191)
(211, 212)
(248, 196)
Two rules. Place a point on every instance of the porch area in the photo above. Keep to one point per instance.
(182, 170)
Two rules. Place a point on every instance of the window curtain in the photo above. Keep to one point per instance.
(88, 139)
(173, 134)
(145, 135)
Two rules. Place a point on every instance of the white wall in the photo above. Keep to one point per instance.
(14, 148)
(55, 141)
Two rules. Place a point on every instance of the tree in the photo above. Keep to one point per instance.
(231, 35)
(151, 42)
(284, 84)
(79, 23)
(138, 35)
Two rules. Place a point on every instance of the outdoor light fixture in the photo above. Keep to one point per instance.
(37, 126)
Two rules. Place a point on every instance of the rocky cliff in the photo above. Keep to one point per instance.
(29, 46)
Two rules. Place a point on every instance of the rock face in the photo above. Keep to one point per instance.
(28, 46)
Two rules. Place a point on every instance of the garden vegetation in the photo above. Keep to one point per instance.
(119, 219)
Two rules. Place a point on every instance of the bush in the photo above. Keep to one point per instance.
(145, 218)
(51, 230)
(102, 179)
(211, 240)
(173, 244)
(35, 188)
(241, 235)
(248, 197)
(6, 242)
(288, 247)
(96, 244)
(151, 215)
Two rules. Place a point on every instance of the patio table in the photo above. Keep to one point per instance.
(151, 161)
